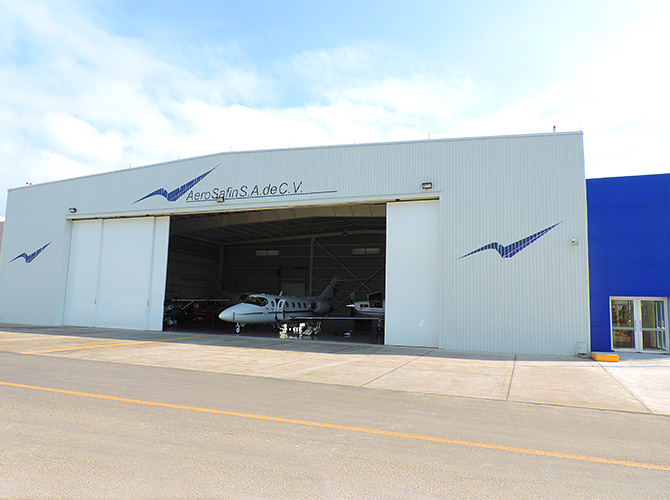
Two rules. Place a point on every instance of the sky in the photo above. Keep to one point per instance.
(91, 86)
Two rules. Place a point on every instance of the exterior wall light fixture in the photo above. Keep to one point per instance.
(427, 185)
(72, 210)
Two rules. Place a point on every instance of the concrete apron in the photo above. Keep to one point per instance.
(637, 383)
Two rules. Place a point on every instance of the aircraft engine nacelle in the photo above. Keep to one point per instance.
(319, 307)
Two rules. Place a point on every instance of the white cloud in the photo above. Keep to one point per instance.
(55, 166)
(80, 139)
(622, 102)
(79, 100)
(619, 100)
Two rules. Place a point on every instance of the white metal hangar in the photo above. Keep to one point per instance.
(477, 244)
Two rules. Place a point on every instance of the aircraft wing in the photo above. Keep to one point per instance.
(198, 300)
(325, 318)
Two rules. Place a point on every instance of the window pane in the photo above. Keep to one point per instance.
(623, 339)
(257, 301)
(622, 313)
(653, 340)
(652, 314)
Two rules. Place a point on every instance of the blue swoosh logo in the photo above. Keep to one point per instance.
(177, 193)
(32, 256)
(511, 250)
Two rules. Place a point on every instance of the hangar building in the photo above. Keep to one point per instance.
(477, 244)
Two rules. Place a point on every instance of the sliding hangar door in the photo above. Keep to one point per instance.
(116, 273)
(122, 270)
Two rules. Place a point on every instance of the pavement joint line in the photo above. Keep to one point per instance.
(108, 345)
(414, 358)
(511, 378)
(365, 430)
(624, 387)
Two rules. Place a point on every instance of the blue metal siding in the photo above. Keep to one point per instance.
(597, 220)
(629, 244)
(637, 250)
(600, 323)
(636, 190)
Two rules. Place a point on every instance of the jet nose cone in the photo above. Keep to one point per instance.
(228, 315)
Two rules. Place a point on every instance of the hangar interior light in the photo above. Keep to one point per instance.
(366, 251)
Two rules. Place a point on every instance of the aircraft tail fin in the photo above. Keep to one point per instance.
(321, 304)
(329, 293)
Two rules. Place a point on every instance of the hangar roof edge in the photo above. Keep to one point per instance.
(629, 177)
(305, 148)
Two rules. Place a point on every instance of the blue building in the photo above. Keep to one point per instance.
(629, 262)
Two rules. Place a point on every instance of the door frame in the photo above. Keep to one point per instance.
(637, 327)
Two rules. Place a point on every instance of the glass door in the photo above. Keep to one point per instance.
(654, 334)
(639, 324)
(623, 324)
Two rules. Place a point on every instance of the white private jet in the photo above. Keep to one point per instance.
(373, 308)
(265, 308)
(370, 308)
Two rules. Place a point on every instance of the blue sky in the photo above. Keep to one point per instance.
(100, 85)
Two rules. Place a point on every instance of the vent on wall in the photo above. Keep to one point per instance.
(267, 253)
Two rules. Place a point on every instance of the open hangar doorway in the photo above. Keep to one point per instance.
(216, 259)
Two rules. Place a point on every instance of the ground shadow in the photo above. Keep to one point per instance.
(264, 339)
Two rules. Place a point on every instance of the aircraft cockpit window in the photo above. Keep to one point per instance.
(293, 304)
(256, 301)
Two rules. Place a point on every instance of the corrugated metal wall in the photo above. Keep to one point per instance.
(535, 301)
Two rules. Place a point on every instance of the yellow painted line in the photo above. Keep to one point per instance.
(108, 345)
(350, 428)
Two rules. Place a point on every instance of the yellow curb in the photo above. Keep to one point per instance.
(602, 356)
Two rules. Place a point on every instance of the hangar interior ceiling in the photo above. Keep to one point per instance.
(296, 251)
(281, 224)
